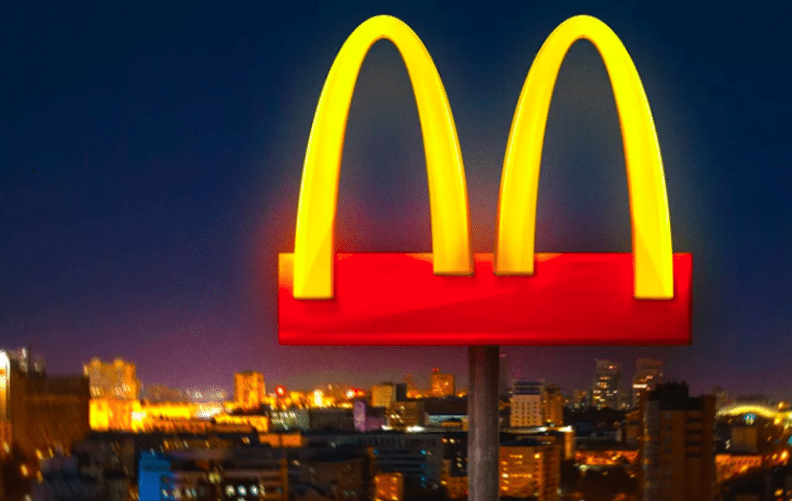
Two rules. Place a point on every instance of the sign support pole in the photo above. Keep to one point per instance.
(483, 425)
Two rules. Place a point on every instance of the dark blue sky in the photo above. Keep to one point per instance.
(151, 155)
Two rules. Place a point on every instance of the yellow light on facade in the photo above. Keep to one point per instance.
(318, 398)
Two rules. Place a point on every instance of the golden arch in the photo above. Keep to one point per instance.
(316, 213)
(652, 239)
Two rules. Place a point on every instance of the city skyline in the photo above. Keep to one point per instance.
(425, 389)
(152, 181)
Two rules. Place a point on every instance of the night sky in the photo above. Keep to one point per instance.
(151, 158)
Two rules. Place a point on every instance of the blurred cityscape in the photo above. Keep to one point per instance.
(103, 435)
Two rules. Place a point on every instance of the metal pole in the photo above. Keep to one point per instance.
(483, 429)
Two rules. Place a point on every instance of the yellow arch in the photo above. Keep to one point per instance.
(652, 239)
(316, 213)
(762, 410)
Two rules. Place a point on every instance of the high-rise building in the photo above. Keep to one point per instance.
(553, 405)
(579, 399)
(383, 394)
(115, 380)
(526, 404)
(649, 372)
(441, 385)
(678, 450)
(606, 387)
(403, 415)
(23, 360)
(249, 390)
(389, 487)
(503, 375)
(400, 392)
(38, 412)
(530, 467)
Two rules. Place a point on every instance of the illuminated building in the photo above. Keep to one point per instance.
(527, 467)
(403, 415)
(290, 419)
(342, 475)
(526, 404)
(112, 380)
(454, 479)
(313, 419)
(108, 414)
(42, 412)
(416, 455)
(248, 473)
(579, 399)
(249, 391)
(25, 361)
(5, 405)
(731, 465)
(441, 385)
(389, 487)
(649, 372)
(678, 450)
(553, 406)
(606, 457)
(449, 412)
(606, 387)
(366, 417)
(114, 393)
(383, 394)
(258, 423)
(634, 426)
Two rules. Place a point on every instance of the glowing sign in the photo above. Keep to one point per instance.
(514, 296)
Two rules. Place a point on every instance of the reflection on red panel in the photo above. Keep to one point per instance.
(572, 299)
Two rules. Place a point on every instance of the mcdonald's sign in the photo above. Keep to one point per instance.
(514, 296)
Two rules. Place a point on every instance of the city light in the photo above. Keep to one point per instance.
(318, 398)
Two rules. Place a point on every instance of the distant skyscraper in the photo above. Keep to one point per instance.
(249, 390)
(553, 405)
(526, 404)
(113, 380)
(503, 375)
(678, 455)
(580, 399)
(23, 360)
(441, 385)
(606, 387)
(649, 372)
(383, 394)
(39, 411)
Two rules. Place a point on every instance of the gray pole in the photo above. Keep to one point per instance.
(483, 429)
